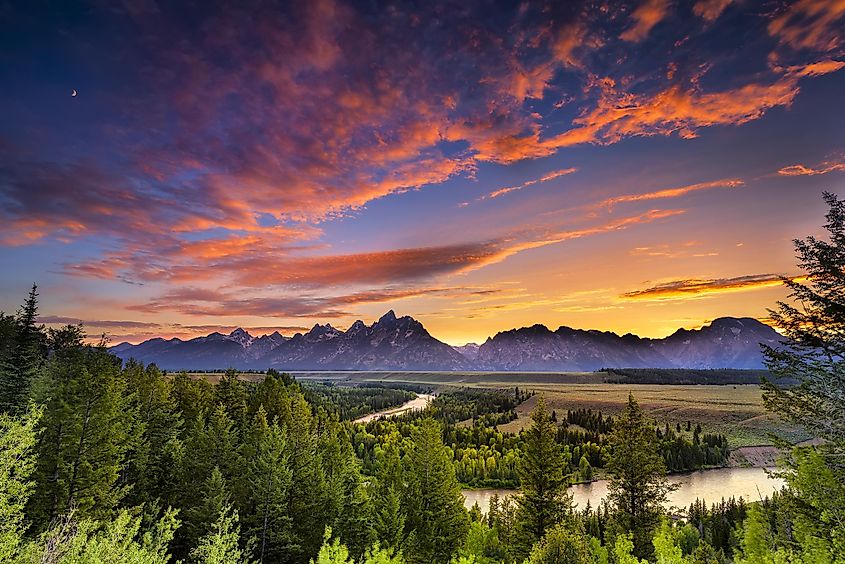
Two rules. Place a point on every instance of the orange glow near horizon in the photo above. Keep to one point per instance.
(625, 166)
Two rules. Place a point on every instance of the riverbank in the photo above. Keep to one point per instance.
(755, 456)
(712, 486)
(417, 404)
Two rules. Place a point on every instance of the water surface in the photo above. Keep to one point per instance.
(418, 403)
(709, 485)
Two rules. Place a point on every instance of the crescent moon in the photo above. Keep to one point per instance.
(73, 94)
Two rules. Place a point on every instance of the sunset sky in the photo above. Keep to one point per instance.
(626, 166)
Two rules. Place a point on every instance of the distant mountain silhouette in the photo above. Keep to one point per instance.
(390, 343)
(726, 343)
(403, 343)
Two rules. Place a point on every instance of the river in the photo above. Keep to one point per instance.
(418, 403)
(709, 485)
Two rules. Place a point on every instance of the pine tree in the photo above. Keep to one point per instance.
(543, 500)
(207, 446)
(268, 480)
(8, 371)
(154, 461)
(272, 394)
(308, 487)
(231, 394)
(347, 503)
(25, 357)
(638, 485)
(389, 518)
(86, 430)
(221, 442)
(201, 519)
(192, 397)
(437, 520)
(814, 356)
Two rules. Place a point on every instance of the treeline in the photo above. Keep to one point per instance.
(685, 376)
(351, 402)
(485, 407)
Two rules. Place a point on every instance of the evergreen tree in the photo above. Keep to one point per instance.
(502, 517)
(271, 394)
(814, 356)
(347, 503)
(22, 357)
(308, 483)
(482, 545)
(437, 520)
(192, 397)
(207, 446)
(154, 461)
(231, 394)
(389, 514)
(220, 442)
(638, 485)
(8, 371)
(269, 481)
(201, 520)
(86, 429)
(543, 500)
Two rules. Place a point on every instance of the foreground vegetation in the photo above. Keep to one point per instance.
(101, 462)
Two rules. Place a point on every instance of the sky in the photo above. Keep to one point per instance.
(624, 166)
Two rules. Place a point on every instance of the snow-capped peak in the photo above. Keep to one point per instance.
(241, 336)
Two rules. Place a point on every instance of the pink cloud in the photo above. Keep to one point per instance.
(811, 24)
(710, 10)
(645, 17)
(822, 168)
(545, 178)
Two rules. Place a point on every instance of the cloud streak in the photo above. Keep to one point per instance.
(693, 288)
(826, 167)
(545, 178)
(671, 192)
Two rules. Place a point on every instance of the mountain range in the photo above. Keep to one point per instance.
(402, 343)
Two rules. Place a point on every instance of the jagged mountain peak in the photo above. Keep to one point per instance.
(388, 317)
(403, 343)
(241, 336)
(239, 332)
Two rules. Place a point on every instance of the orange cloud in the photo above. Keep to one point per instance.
(822, 168)
(696, 287)
(672, 251)
(645, 17)
(570, 234)
(671, 192)
(710, 10)
(811, 24)
(204, 302)
(545, 178)
(676, 109)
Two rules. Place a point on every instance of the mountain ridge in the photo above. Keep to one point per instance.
(403, 343)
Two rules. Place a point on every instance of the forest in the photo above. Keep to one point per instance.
(102, 461)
